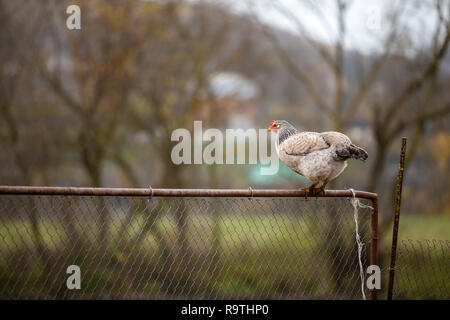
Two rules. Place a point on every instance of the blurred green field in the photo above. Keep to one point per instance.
(232, 255)
(272, 255)
(416, 226)
(235, 230)
(423, 265)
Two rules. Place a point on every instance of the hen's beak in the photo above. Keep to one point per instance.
(269, 128)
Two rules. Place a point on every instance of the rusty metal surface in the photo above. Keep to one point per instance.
(398, 199)
(147, 192)
(374, 242)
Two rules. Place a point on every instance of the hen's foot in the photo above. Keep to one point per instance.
(310, 191)
(321, 190)
(306, 190)
(322, 187)
(316, 191)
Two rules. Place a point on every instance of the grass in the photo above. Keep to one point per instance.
(256, 256)
(416, 226)
(422, 264)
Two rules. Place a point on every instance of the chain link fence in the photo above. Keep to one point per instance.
(422, 270)
(131, 247)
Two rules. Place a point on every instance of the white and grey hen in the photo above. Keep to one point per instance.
(320, 157)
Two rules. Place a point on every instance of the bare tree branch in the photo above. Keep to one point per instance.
(296, 71)
(370, 78)
(327, 57)
(421, 117)
(417, 82)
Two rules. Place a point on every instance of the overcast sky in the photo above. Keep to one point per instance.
(365, 18)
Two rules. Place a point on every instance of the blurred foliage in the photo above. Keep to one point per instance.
(97, 106)
(239, 248)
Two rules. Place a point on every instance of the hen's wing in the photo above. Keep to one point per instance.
(304, 143)
(335, 138)
(344, 149)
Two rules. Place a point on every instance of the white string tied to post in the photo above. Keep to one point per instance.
(356, 203)
(151, 194)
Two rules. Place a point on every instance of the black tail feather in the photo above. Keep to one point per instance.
(351, 151)
(357, 153)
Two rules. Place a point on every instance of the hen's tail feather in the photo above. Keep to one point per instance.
(357, 153)
(351, 151)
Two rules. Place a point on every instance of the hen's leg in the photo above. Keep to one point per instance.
(310, 189)
(322, 187)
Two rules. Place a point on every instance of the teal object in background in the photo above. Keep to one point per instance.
(284, 175)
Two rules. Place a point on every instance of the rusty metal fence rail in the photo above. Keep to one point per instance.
(183, 244)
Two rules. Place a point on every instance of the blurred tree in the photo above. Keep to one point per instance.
(20, 124)
(341, 104)
(174, 87)
(351, 96)
(93, 73)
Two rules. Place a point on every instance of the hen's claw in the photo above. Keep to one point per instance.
(307, 191)
(316, 191)
(322, 187)
(321, 190)
(312, 191)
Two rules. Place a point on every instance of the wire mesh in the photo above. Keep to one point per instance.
(422, 270)
(181, 247)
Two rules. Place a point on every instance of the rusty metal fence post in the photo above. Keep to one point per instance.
(398, 201)
(374, 242)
